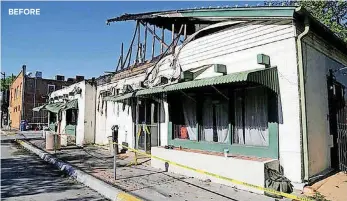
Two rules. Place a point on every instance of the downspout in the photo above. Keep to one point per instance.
(304, 141)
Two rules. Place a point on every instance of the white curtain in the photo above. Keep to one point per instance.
(189, 112)
(207, 120)
(222, 121)
(255, 131)
(238, 129)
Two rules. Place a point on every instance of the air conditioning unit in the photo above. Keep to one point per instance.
(79, 78)
(38, 74)
(60, 77)
(70, 79)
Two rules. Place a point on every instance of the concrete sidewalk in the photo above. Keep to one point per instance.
(332, 188)
(144, 181)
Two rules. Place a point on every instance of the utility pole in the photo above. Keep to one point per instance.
(4, 97)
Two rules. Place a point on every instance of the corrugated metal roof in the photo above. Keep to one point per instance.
(39, 108)
(72, 104)
(55, 107)
(273, 11)
(267, 77)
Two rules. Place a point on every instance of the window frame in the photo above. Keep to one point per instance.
(50, 85)
(270, 151)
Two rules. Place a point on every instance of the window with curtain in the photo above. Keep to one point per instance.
(71, 116)
(183, 117)
(215, 120)
(251, 117)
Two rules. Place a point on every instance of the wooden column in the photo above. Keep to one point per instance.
(145, 45)
(153, 42)
(162, 41)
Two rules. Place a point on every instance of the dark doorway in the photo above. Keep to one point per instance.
(337, 123)
(147, 134)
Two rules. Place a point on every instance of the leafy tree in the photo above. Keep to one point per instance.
(332, 14)
(6, 83)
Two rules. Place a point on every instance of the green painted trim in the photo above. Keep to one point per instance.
(263, 59)
(270, 151)
(201, 145)
(52, 126)
(169, 132)
(281, 12)
(70, 130)
(220, 68)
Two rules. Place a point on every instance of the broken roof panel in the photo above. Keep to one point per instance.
(283, 12)
(191, 17)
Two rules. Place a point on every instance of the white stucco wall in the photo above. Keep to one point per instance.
(116, 113)
(85, 101)
(317, 61)
(249, 171)
(89, 115)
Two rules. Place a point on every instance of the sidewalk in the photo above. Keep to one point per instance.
(145, 181)
(332, 188)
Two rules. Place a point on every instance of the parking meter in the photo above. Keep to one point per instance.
(115, 129)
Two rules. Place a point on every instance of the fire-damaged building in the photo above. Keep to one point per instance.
(231, 91)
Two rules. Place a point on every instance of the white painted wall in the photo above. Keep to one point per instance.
(116, 113)
(248, 171)
(86, 103)
(237, 48)
(89, 115)
(317, 61)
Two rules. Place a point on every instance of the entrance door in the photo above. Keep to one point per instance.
(147, 124)
(337, 123)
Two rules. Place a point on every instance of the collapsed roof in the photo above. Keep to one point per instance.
(193, 18)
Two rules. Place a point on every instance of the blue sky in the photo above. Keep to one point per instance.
(72, 38)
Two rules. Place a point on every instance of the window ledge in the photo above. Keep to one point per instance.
(214, 153)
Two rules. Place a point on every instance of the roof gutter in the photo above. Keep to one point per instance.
(304, 137)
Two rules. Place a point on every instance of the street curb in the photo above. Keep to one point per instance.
(98, 185)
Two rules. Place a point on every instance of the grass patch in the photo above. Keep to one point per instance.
(319, 197)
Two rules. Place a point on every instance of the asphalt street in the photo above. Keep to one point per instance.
(25, 177)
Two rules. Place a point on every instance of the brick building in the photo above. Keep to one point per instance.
(28, 91)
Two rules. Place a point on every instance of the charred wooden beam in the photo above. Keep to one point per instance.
(130, 49)
(172, 35)
(138, 49)
(145, 43)
(153, 42)
(132, 43)
(121, 56)
(173, 32)
(162, 40)
(155, 35)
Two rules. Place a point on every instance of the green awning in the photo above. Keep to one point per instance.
(72, 104)
(55, 107)
(267, 77)
(39, 108)
(119, 97)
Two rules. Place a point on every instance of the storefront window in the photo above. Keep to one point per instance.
(251, 117)
(215, 119)
(184, 117)
(71, 117)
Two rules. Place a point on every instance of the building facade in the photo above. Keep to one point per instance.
(257, 85)
(71, 113)
(28, 91)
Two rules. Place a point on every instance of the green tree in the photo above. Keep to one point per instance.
(6, 83)
(332, 14)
